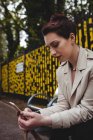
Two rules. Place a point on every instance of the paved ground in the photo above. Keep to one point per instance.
(8, 124)
(9, 129)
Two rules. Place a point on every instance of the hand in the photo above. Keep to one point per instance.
(27, 109)
(33, 120)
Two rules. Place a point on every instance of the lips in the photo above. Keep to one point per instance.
(59, 57)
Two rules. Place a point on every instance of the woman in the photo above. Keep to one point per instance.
(74, 77)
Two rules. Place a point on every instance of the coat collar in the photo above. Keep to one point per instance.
(81, 63)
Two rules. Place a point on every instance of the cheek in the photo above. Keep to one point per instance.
(65, 51)
(68, 49)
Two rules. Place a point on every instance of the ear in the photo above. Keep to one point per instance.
(72, 37)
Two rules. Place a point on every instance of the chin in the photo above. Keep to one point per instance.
(63, 60)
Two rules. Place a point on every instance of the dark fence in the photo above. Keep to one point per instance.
(33, 72)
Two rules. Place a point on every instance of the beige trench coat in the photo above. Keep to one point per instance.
(75, 102)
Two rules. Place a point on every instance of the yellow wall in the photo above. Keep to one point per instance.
(16, 80)
(40, 74)
(4, 78)
(88, 28)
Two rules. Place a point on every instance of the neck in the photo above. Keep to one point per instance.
(74, 57)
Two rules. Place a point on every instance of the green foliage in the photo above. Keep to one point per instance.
(29, 16)
(10, 27)
(75, 7)
(3, 47)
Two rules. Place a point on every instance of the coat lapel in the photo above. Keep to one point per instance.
(67, 77)
(78, 78)
(81, 65)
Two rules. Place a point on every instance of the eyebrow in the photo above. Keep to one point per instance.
(51, 43)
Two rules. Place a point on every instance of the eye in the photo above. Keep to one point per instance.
(54, 44)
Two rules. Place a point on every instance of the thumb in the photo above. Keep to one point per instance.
(28, 114)
(27, 109)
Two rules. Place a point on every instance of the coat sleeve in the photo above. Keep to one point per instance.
(61, 105)
(80, 113)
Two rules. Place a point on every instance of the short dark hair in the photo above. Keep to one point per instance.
(60, 25)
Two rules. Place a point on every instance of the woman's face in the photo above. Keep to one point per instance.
(60, 47)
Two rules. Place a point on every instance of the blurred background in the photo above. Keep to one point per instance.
(26, 66)
(21, 21)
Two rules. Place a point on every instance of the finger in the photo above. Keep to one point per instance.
(19, 117)
(28, 114)
(27, 110)
(22, 121)
(25, 123)
(22, 124)
(22, 128)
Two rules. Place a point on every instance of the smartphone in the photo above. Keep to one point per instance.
(15, 106)
(17, 109)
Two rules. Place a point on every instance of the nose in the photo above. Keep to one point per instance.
(53, 52)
